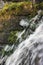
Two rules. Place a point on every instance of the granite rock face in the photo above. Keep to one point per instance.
(7, 26)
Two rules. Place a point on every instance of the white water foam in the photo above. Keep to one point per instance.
(30, 51)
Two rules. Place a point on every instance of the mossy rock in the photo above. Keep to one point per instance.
(12, 37)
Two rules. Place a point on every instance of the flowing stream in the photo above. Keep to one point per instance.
(30, 49)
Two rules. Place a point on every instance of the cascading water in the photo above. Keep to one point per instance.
(29, 51)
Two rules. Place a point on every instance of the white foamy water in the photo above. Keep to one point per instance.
(8, 48)
(30, 51)
(19, 35)
(24, 23)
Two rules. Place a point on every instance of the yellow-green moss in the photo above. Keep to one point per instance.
(19, 8)
(16, 7)
(12, 37)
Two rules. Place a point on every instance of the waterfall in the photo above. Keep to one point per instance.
(30, 50)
